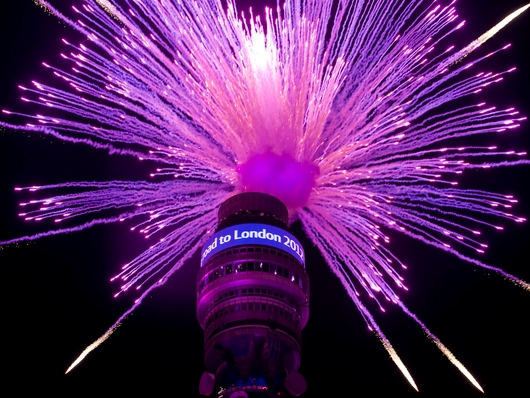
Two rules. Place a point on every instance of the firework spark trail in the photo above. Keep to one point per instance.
(489, 34)
(316, 231)
(442, 348)
(318, 226)
(102, 339)
(341, 124)
(184, 255)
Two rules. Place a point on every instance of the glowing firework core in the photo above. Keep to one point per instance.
(280, 176)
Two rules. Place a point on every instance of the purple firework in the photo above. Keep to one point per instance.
(354, 131)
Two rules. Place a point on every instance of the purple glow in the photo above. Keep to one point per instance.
(279, 176)
(351, 130)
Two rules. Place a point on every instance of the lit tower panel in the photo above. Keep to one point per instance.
(252, 301)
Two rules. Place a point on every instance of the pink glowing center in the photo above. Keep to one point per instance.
(280, 176)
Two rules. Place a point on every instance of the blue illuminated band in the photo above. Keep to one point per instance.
(252, 234)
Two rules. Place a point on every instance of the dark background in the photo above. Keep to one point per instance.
(56, 298)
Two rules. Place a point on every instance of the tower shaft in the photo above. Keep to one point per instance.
(252, 299)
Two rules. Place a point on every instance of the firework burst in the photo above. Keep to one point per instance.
(358, 133)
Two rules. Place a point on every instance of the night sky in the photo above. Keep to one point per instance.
(57, 298)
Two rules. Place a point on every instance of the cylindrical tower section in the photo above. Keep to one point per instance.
(253, 299)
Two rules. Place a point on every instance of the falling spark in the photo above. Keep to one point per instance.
(91, 348)
(489, 34)
(456, 362)
(443, 349)
(399, 363)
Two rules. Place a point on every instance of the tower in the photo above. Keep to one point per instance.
(252, 301)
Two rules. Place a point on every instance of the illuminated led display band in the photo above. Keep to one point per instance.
(252, 234)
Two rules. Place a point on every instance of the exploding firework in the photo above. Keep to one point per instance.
(367, 149)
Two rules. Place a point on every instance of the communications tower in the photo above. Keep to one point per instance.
(252, 301)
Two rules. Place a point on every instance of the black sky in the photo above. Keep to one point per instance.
(56, 298)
